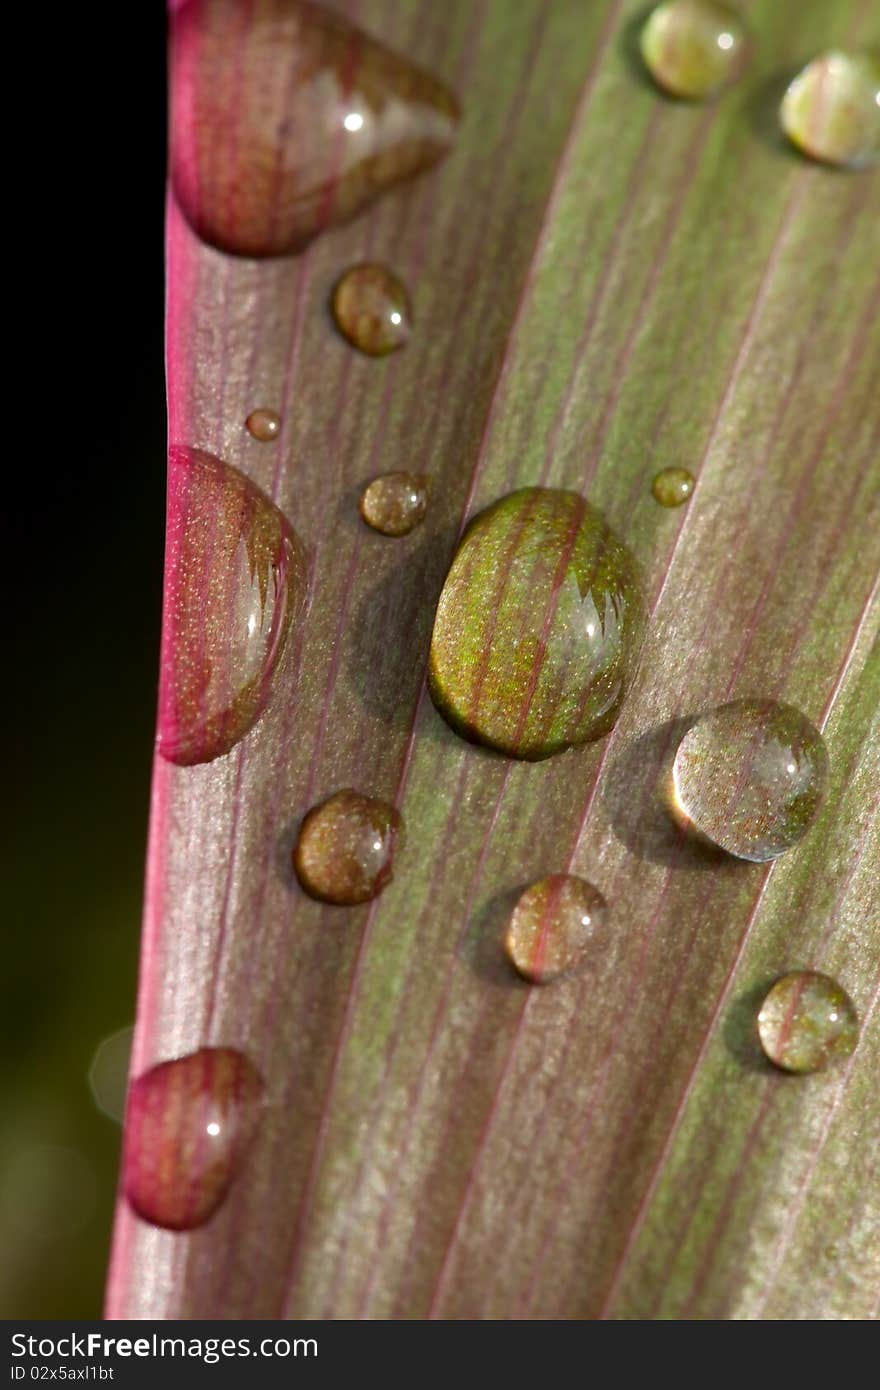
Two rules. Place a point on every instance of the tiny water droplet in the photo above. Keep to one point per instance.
(539, 626)
(693, 48)
(234, 588)
(555, 926)
(806, 1021)
(346, 847)
(287, 120)
(263, 424)
(672, 486)
(188, 1126)
(371, 309)
(395, 503)
(831, 111)
(750, 777)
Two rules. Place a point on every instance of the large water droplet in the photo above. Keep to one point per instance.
(395, 503)
(831, 110)
(346, 846)
(750, 777)
(189, 1124)
(288, 120)
(539, 626)
(693, 48)
(806, 1021)
(371, 309)
(263, 424)
(555, 926)
(672, 486)
(235, 585)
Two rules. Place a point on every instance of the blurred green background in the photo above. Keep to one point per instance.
(86, 546)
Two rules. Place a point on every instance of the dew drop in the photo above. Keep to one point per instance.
(750, 777)
(693, 48)
(264, 425)
(346, 847)
(831, 111)
(395, 503)
(287, 120)
(672, 486)
(234, 588)
(539, 626)
(806, 1021)
(371, 309)
(555, 926)
(188, 1126)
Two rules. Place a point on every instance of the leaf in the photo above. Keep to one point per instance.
(604, 282)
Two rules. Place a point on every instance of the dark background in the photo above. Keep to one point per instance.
(84, 532)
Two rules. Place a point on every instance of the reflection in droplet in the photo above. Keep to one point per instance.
(693, 48)
(188, 1127)
(672, 486)
(395, 503)
(539, 626)
(235, 583)
(288, 120)
(831, 110)
(806, 1021)
(263, 424)
(371, 309)
(108, 1073)
(345, 850)
(750, 777)
(556, 925)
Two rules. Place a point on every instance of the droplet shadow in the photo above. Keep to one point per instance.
(740, 1028)
(630, 48)
(482, 947)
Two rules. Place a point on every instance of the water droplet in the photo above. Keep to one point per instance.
(235, 585)
(264, 425)
(693, 48)
(188, 1127)
(539, 626)
(555, 926)
(371, 309)
(672, 486)
(395, 503)
(288, 120)
(750, 777)
(346, 846)
(806, 1021)
(831, 110)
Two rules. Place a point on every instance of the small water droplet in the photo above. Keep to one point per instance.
(188, 1126)
(287, 120)
(806, 1021)
(831, 111)
(346, 847)
(395, 503)
(750, 777)
(693, 48)
(672, 486)
(234, 588)
(539, 626)
(264, 424)
(555, 926)
(371, 309)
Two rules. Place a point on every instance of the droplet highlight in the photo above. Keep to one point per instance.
(806, 1021)
(672, 486)
(345, 850)
(371, 309)
(235, 586)
(288, 120)
(189, 1125)
(694, 48)
(263, 424)
(555, 927)
(395, 503)
(831, 111)
(539, 626)
(750, 777)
